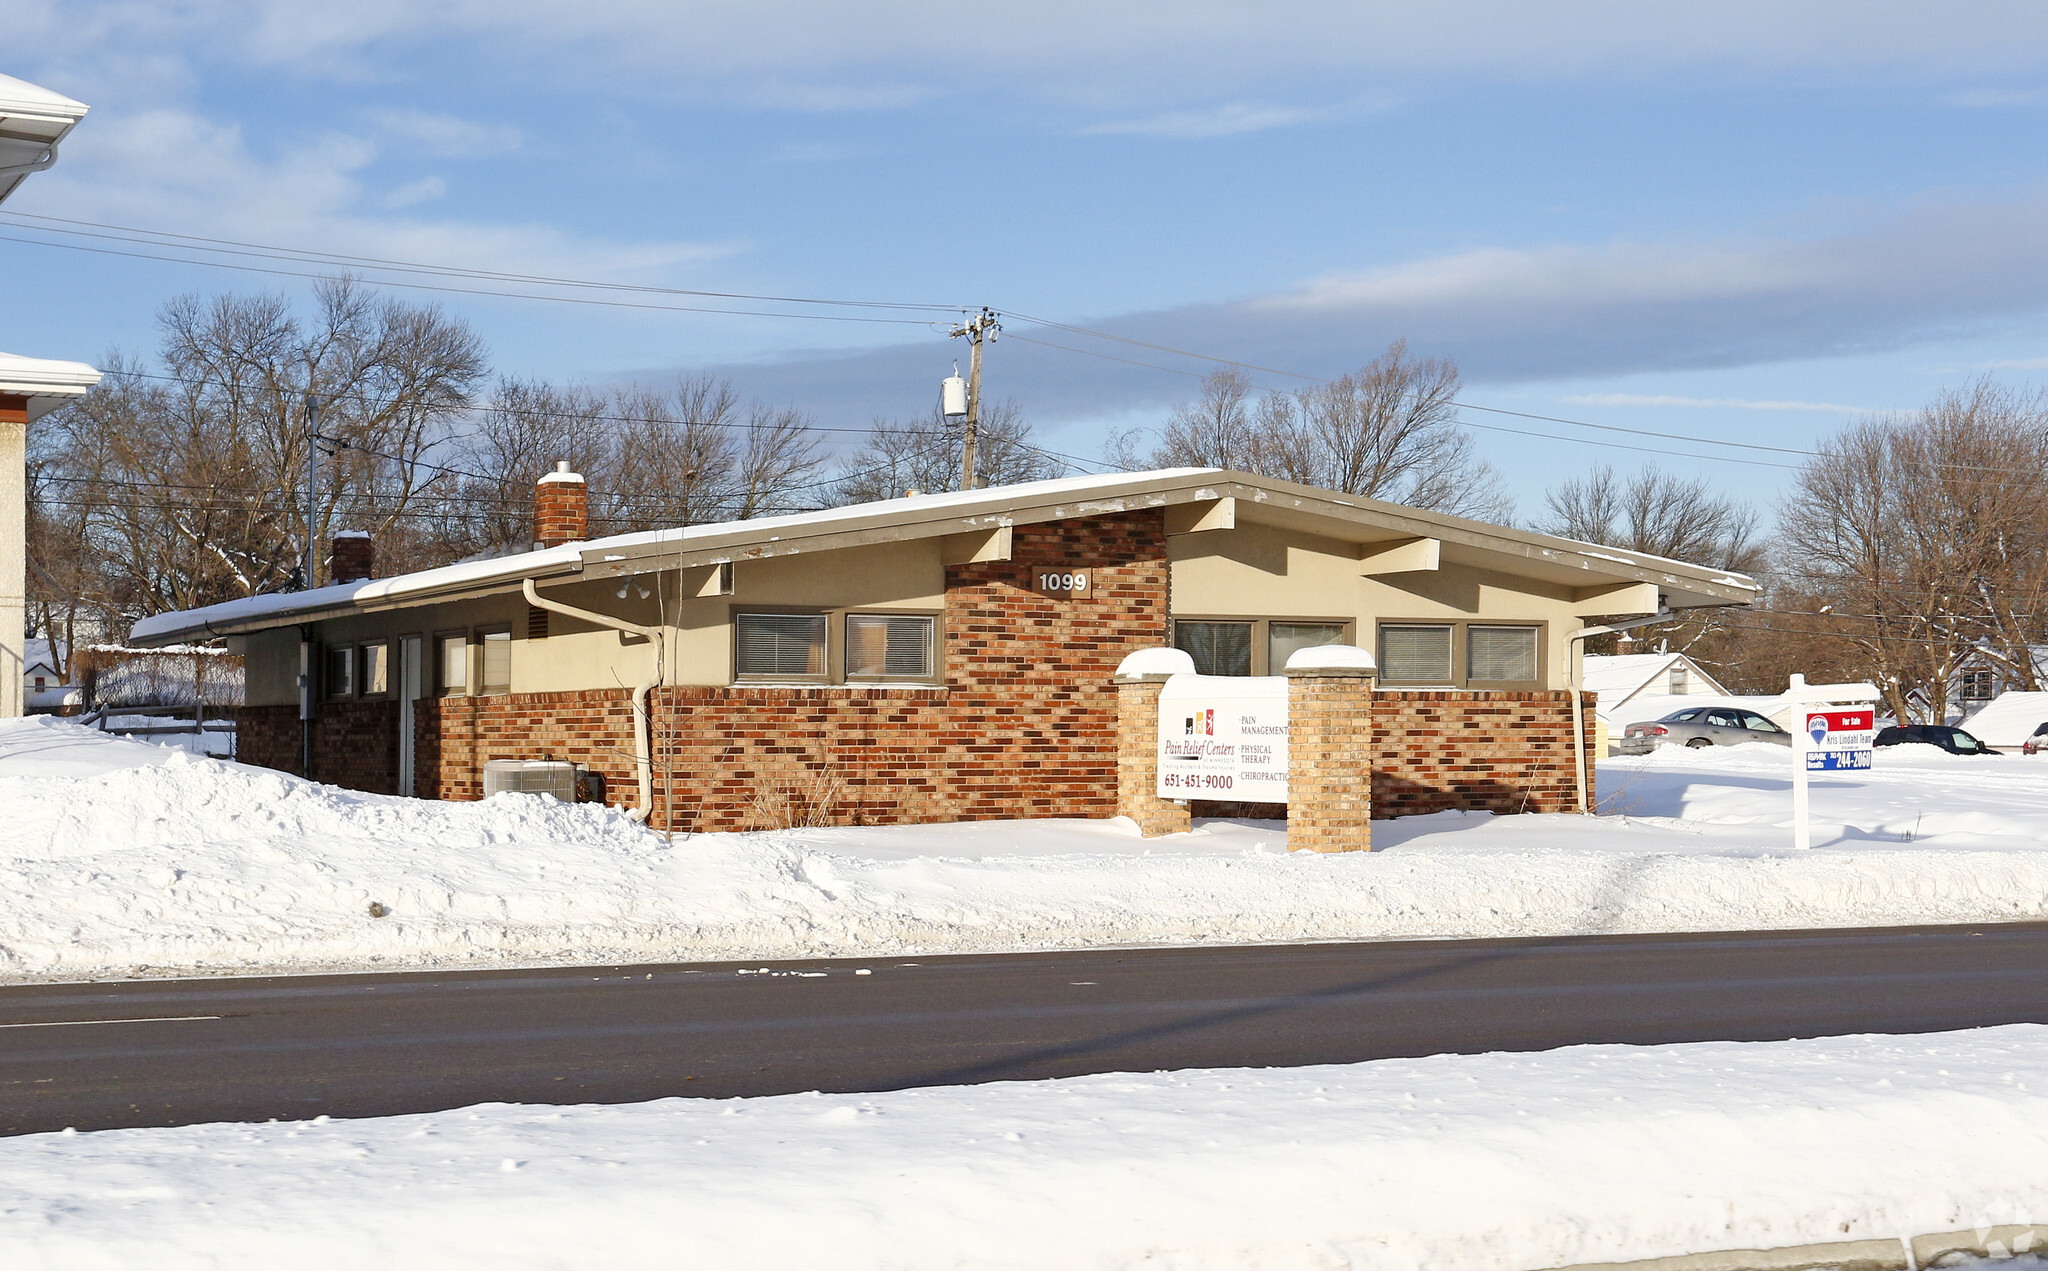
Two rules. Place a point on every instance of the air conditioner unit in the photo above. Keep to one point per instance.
(530, 776)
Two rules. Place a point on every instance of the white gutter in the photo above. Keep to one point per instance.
(1576, 653)
(643, 732)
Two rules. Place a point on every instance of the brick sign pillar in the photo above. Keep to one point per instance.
(1329, 758)
(1138, 682)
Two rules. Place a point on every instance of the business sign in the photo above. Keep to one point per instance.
(1223, 737)
(1840, 739)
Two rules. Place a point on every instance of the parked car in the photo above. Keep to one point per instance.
(1702, 726)
(1950, 738)
(2035, 744)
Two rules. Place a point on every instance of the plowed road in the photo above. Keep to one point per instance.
(170, 1052)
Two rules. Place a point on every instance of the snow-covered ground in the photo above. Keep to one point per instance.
(1484, 1163)
(123, 857)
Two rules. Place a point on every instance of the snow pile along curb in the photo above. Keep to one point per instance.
(122, 858)
(1490, 1163)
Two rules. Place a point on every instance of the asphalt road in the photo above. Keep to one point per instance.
(171, 1052)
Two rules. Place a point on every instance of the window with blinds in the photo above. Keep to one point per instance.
(779, 646)
(453, 659)
(889, 646)
(1415, 655)
(1500, 655)
(497, 662)
(1218, 648)
(1284, 639)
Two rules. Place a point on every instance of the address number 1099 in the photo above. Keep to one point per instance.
(1061, 584)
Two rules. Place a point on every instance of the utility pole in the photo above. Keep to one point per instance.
(981, 325)
(312, 561)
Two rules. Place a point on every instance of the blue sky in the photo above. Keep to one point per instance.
(1743, 221)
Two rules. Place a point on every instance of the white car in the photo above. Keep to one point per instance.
(1702, 726)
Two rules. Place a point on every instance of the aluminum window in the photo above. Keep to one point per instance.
(1283, 639)
(341, 671)
(451, 658)
(779, 646)
(1218, 648)
(890, 646)
(376, 679)
(497, 672)
(1500, 655)
(1415, 654)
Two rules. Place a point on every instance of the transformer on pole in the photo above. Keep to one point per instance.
(983, 324)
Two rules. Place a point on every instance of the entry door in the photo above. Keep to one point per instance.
(410, 653)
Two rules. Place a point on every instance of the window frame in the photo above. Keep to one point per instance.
(469, 648)
(732, 622)
(481, 664)
(1262, 632)
(843, 619)
(1461, 657)
(343, 656)
(363, 653)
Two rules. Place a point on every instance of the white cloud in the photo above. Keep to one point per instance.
(424, 190)
(2016, 364)
(446, 136)
(1729, 403)
(1229, 120)
(175, 170)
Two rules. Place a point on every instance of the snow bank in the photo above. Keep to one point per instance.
(122, 857)
(1508, 1162)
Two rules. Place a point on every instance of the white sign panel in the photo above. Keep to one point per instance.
(1223, 737)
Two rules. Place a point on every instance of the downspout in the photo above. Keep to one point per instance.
(643, 730)
(1576, 654)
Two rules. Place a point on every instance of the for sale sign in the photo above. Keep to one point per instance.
(1223, 737)
(1841, 739)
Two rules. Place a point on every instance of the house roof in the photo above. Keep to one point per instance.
(1207, 497)
(1618, 678)
(32, 121)
(40, 652)
(44, 382)
(2008, 719)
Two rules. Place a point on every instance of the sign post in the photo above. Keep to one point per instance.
(1827, 740)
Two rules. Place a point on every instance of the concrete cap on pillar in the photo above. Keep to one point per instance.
(1347, 660)
(1153, 666)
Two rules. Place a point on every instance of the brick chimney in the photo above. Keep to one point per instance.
(561, 508)
(354, 557)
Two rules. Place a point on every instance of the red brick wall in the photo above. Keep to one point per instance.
(1505, 752)
(269, 737)
(1026, 725)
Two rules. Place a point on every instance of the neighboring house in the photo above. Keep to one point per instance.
(936, 657)
(32, 122)
(44, 686)
(1621, 678)
(2006, 722)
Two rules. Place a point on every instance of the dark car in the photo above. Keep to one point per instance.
(2037, 743)
(1954, 740)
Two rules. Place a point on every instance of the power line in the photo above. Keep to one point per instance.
(149, 237)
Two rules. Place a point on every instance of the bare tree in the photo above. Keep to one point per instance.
(1927, 532)
(1658, 514)
(924, 455)
(1386, 431)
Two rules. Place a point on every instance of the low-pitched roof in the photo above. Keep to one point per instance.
(1617, 678)
(2008, 719)
(1239, 496)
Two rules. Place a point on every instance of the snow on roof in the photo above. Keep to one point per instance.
(1657, 705)
(44, 653)
(2008, 719)
(569, 556)
(20, 374)
(937, 512)
(18, 96)
(1623, 672)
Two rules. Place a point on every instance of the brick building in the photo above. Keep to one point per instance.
(936, 657)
